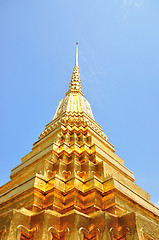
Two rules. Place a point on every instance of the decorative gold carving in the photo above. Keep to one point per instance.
(73, 119)
(89, 233)
(52, 231)
(125, 235)
(81, 174)
(66, 173)
(25, 232)
(50, 173)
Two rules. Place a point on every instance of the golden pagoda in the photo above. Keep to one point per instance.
(72, 185)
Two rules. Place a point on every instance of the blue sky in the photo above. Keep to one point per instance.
(119, 65)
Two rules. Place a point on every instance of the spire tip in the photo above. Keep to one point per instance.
(76, 58)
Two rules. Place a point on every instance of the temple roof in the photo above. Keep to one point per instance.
(74, 102)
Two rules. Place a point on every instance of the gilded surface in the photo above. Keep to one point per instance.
(72, 185)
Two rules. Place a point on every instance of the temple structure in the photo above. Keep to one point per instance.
(72, 185)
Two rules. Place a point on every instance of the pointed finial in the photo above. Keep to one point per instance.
(76, 59)
(75, 84)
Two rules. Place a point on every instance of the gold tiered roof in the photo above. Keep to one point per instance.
(72, 185)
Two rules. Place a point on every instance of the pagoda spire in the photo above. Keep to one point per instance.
(75, 84)
(74, 102)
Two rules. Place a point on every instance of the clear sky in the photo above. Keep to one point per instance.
(119, 65)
